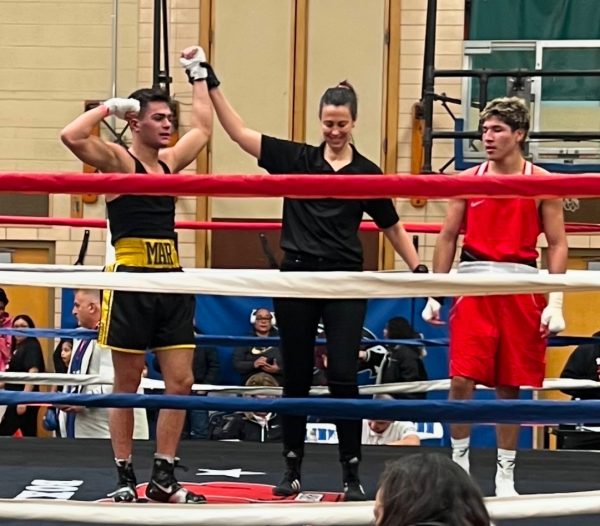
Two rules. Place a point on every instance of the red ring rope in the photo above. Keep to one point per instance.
(308, 186)
(423, 228)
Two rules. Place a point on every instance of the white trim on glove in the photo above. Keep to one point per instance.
(431, 311)
(120, 107)
(193, 65)
(552, 315)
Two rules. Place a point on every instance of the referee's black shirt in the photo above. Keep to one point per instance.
(323, 228)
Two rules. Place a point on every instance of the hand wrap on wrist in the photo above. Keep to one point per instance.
(194, 65)
(121, 107)
(552, 315)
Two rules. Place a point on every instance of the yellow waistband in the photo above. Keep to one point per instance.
(144, 252)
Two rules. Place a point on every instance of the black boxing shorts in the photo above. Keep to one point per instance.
(140, 321)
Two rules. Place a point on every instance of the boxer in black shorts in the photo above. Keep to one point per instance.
(143, 233)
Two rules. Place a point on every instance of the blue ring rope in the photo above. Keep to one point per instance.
(233, 341)
(488, 411)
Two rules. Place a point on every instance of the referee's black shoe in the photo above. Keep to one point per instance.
(126, 485)
(353, 491)
(290, 483)
(163, 486)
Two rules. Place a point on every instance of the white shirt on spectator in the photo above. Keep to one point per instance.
(396, 431)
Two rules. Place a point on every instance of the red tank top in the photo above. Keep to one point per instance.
(502, 229)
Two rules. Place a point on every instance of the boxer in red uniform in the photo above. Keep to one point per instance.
(500, 341)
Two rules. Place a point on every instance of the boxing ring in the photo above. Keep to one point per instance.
(259, 465)
(571, 492)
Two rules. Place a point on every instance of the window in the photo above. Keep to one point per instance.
(538, 34)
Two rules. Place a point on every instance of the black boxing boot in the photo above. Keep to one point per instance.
(126, 484)
(290, 483)
(163, 486)
(353, 491)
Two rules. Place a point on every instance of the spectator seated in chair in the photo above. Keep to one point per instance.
(26, 357)
(250, 426)
(257, 358)
(398, 363)
(582, 364)
(388, 432)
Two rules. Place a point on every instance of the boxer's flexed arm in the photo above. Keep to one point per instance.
(92, 150)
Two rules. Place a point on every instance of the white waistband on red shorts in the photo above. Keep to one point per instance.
(497, 267)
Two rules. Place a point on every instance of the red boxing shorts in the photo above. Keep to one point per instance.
(496, 341)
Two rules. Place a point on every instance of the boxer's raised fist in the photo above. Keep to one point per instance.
(121, 107)
(192, 59)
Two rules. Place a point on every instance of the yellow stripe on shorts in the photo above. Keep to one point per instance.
(148, 253)
(107, 297)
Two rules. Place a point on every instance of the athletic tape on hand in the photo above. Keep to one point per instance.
(552, 315)
(120, 107)
(193, 65)
(431, 311)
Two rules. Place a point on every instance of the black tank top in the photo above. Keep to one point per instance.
(142, 216)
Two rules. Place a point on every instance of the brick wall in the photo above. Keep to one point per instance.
(449, 55)
(449, 37)
(54, 55)
(184, 21)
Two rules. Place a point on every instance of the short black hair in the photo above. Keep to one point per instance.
(147, 95)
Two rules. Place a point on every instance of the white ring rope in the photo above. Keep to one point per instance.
(291, 284)
(278, 514)
(47, 267)
(550, 384)
(272, 283)
(544, 505)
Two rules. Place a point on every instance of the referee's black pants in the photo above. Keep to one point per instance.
(297, 320)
